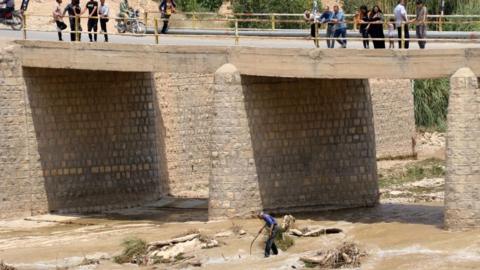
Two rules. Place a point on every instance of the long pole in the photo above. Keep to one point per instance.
(251, 244)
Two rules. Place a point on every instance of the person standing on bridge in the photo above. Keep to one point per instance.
(74, 11)
(92, 23)
(340, 26)
(420, 22)
(167, 8)
(363, 19)
(326, 17)
(58, 18)
(401, 21)
(272, 229)
(103, 12)
(375, 28)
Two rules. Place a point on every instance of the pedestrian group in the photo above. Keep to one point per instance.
(95, 11)
(371, 23)
(99, 13)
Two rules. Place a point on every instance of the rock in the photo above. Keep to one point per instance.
(223, 234)
(210, 244)
(396, 192)
(195, 263)
(242, 232)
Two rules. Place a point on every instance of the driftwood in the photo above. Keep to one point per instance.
(315, 232)
(159, 244)
(347, 254)
(318, 232)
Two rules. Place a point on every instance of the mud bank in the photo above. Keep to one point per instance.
(395, 236)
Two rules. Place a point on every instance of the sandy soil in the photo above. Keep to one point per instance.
(403, 232)
(395, 236)
(430, 146)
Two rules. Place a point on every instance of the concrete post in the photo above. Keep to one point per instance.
(233, 188)
(462, 186)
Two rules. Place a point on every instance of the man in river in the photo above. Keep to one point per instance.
(272, 229)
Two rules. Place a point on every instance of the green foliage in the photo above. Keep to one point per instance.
(198, 5)
(472, 8)
(431, 103)
(433, 6)
(428, 168)
(283, 241)
(273, 6)
(133, 251)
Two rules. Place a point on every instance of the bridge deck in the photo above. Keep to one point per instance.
(258, 61)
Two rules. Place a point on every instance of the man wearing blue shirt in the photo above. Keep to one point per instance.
(340, 26)
(326, 17)
(272, 228)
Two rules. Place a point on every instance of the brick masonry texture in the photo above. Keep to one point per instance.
(394, 117)
(304, 144)
(127, 138)
(95, 138)
(185, 105)
(462, 184)
(21, 190)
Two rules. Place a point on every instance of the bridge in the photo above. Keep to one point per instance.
(90, 127)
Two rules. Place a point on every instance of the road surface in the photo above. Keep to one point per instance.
(197, 40)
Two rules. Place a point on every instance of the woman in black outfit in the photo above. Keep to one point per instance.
(364, 19)
(375, 28)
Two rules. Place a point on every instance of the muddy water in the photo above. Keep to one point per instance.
(395, 236)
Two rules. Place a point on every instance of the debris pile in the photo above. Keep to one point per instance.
(283, 241)
(288, 222)
(346, 255)
(176, 250)
(134, 250)
(4, 266)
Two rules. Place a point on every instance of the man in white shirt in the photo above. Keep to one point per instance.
(58, 18)
(401, 19)
(103, 12)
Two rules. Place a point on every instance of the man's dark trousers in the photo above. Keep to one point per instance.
(407, 36)
(270, 245)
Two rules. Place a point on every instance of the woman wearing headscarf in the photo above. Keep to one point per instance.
(375, 28)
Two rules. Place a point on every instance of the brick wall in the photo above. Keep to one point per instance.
(21, 191)
(126, 138)
(185, 104)
(304, 144)
(394, 118)
(462, 183)
(95, 138)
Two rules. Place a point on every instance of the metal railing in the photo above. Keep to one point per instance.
(275, 18)
(232, 26)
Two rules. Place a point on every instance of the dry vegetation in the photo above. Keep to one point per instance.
(346, 255)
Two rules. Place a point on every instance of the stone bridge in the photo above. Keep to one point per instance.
(91, 127)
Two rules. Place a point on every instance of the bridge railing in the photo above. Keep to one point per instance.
(230, 26)
(275, 18)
